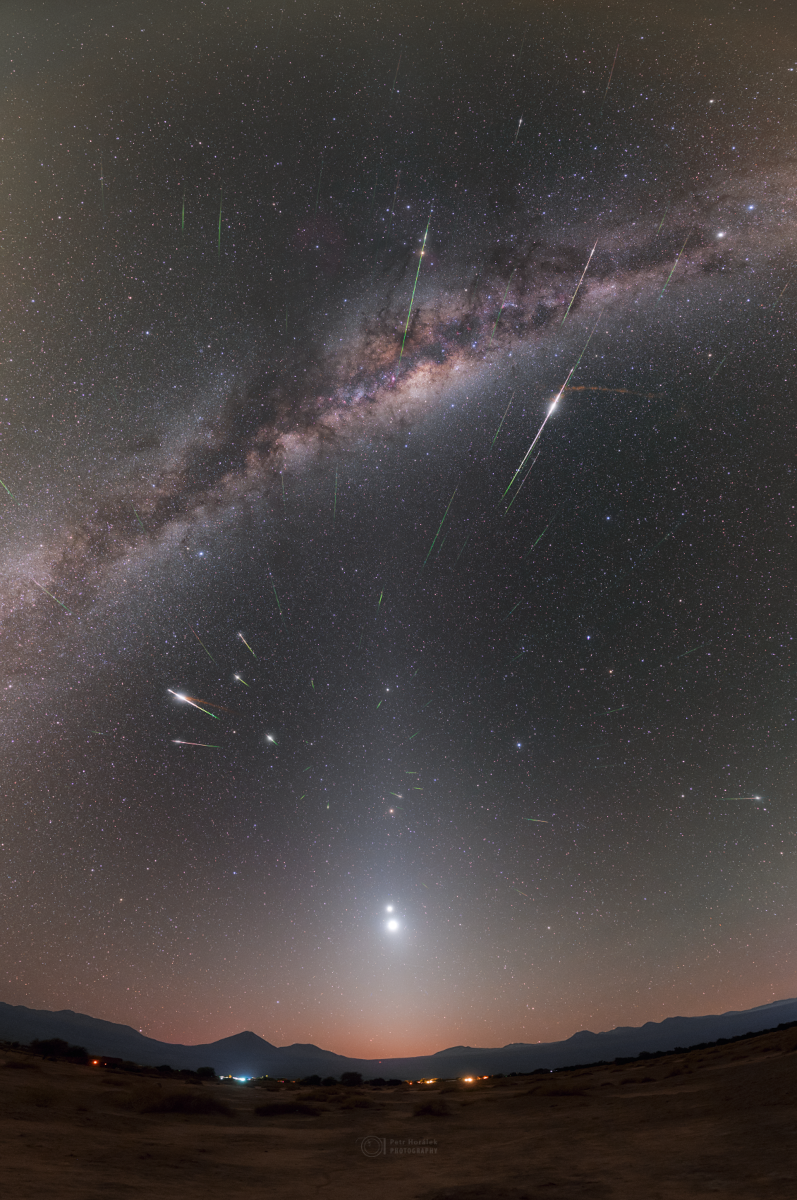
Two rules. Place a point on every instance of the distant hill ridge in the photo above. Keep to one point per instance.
(247, 1054)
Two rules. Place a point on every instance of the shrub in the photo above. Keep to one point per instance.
(330, 1081)
(311, 1081)
(207, 1073)
(287, 1108)
(58, 1048)
(190, 1103)
(433, 1107)
(351, 1079)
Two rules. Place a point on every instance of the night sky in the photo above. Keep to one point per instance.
(545, 715)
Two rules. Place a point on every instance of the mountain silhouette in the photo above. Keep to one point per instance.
(247, 1054)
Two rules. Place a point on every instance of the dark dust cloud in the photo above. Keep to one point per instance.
(290, 648)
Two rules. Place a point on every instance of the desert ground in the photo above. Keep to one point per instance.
(718, 1122)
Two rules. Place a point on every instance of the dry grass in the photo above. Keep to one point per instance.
(40, 1097)
(435, 1106)
(193, 1103)
(287, 1108)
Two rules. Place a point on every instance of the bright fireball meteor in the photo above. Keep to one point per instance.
(186, 700)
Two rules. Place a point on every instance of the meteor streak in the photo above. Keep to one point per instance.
(243, 681)
(52, 597)
(249, 648)
(202, 644)
(578, 285)
(498, 430)
(605, 94)
(517, 131)
(501, 309)
(537, 820)
(276, 597)
(207, 745)
(11, 494)
(553, 404)
(525, 477)
(539, 539)
(185, 700)
(675, 264)
(414, 286)
(440, 526)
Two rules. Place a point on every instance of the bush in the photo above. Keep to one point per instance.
(330, 1081)
(191, 1103)
(351, 1079)
(287, 1108)
(311, 1081)
(58, 1048)
(433, 1107)
(207, 1073)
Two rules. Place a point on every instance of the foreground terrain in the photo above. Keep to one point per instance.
(719, 1122)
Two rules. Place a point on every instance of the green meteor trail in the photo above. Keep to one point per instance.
(202, 644)
(52, 597)
(219, 239)
(498, 430)
(506, 293)
(186, 700)
(138, 518)
(525, 477)
(537, 820)
(243, 681)
(276, 597)
(182, 217)
(207, 745)
(249, 648)
(379, 601)
(675, 264)
(581, 280)
(539, 539)
(11, 494)
(335, 501)
(414, 286)
(692, 651)
(440, 526)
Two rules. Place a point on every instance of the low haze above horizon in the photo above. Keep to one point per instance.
(397, 457)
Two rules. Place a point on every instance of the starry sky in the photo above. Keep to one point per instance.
(334, 705)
